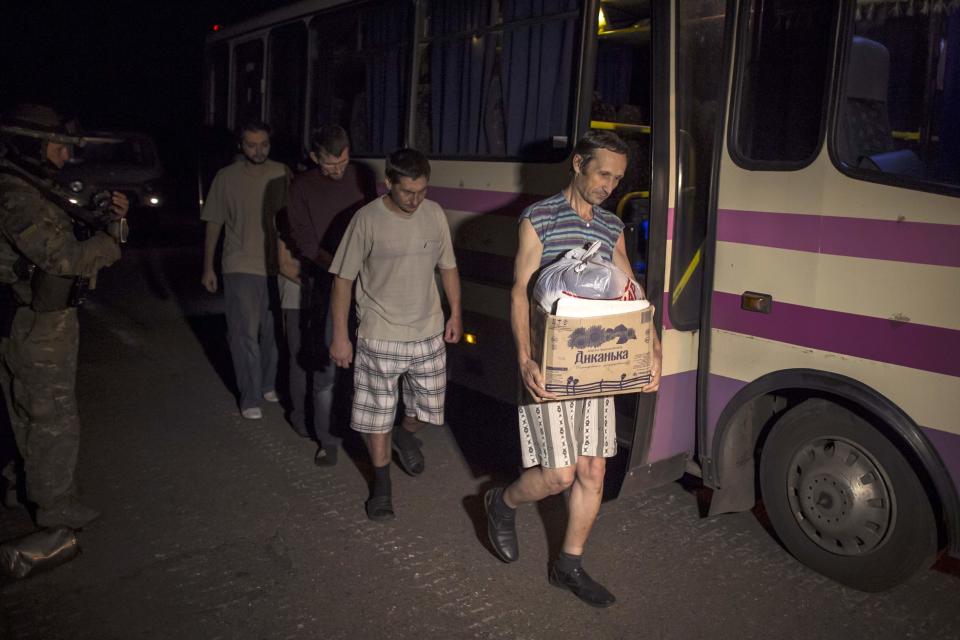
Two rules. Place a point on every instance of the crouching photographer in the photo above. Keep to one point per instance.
(51, 248)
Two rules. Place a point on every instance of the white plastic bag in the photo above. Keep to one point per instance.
(583, 273)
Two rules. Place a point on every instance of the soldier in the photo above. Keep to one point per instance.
(43, 269)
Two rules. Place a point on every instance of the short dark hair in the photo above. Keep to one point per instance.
(253, 126)
(330, 138)
(595, 139)
(407, 163)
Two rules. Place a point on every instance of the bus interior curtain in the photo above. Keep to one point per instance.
(950, 122)
(461, 77)
(537, 72)
(614, 71)
(384, 35)
(883, 9)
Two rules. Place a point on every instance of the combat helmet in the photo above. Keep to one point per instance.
(25, 131)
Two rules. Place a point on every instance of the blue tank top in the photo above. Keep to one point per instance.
(560, 228)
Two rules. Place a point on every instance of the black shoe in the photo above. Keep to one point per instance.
(408, 455)
(379, 508)
(582, 586)
(501, 530)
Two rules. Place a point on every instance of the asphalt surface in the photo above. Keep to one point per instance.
(217, 527)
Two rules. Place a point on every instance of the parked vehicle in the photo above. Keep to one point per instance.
(117, 161)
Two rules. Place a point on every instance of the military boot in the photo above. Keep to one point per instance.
(69, 513)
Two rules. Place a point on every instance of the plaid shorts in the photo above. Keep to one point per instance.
(378, 367)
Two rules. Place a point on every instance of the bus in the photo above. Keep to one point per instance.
(791, 206)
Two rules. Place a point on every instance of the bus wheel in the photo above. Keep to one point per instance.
(843, 500)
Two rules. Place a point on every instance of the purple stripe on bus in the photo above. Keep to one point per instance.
(719, 392)
(917, 242)
(780, 230)
(483, 201)
(902, 343)
(948, 447)
(673, 429)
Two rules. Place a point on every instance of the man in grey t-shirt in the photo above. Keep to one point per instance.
(392, 248)
(242, 197)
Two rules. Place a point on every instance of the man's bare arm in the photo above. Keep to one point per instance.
(209, 277)
(451, 289)
(527, 262)
(341, 349)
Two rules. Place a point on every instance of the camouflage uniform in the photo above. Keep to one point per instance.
(38, 361)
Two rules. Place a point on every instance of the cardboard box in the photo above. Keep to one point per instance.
(595, 356)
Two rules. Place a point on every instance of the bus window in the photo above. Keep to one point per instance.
(496, 78)
(287, 64)
(248, 78)
(621, 102)
(217, 86)
(783, 77)
(699, 94)
(361, 73)
(899, 112)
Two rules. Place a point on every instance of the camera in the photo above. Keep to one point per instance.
(101, 202)
(96, 212)
(93, 198)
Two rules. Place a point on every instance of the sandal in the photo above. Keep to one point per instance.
(379, 508)
(325, 457)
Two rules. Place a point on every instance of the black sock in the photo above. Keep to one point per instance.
(381, 481)
(501, 508)
(404, 438)
(567, 562)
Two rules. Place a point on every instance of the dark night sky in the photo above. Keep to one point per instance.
(133, 65)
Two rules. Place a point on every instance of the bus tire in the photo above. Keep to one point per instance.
(843, 500)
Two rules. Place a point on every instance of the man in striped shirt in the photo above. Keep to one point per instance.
(565, 444)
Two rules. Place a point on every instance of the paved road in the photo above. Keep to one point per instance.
(215, 527)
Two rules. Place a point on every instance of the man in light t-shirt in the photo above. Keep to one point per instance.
(392, 248)
(243, 197)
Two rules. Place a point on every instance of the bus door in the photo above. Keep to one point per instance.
(286, 96)
(628, 68)
(233, 94)
(248, 81)
(217, 142)
(688, 53)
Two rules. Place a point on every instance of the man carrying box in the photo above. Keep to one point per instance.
(565, 443)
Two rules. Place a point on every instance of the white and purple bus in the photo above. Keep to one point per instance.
(791, 205)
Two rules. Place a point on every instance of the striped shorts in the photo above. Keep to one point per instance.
(555, 434)
(378, 367)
